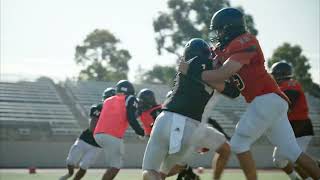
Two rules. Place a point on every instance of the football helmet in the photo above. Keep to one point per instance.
(197, 47)
(126, 87)
(108, 93)
(281, 70)
(226, 25)
(146, 99)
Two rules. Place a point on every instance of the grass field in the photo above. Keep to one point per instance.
(127, 174)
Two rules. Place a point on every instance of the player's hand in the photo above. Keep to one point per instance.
(183, 67)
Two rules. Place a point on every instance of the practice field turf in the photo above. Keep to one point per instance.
(127, 174)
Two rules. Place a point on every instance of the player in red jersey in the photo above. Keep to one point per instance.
(298, 116)
(241, 57)
(148, 109)
(118, 112)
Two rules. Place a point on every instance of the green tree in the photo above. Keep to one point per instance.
(300, 64)
(160, 74)
(100, 57)
(185, 19)
(188, 19)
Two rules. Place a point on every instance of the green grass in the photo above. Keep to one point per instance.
(127, 174)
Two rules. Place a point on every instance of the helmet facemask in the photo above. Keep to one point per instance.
(226, 34)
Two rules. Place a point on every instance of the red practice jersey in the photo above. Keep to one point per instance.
(147, 119)
(300, 109)
(113, 119)
(252, 79)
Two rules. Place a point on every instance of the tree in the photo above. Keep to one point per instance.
(101, 59)
(186, 20)
(300, 64)
(160, 74)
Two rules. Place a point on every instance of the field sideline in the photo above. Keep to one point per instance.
(128, 174)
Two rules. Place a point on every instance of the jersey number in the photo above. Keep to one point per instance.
(239, 82)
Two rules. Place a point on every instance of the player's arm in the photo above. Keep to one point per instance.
(94, 116)
(227, 88)
(131, 105)
(293, 95)
(229, 68)
(93, 123)
(216, 76)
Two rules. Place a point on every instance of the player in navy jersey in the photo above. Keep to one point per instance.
(175, 132)
(85, 150)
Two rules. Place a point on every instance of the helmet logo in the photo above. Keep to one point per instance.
(124, 89)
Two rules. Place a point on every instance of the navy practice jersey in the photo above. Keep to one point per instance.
(87, 135)
(190, 96)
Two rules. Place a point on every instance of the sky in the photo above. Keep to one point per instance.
(38, 37)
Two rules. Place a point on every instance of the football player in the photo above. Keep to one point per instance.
(85, 149)
(148, 109)
(241, 57)
(117, 113)
(298, 116)
(177, 129)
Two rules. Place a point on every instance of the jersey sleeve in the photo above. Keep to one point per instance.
(243, 49)
(242, 57)
(131, 106)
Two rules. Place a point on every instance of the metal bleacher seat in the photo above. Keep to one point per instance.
(39, 91)
(33, 104)
(87, 92)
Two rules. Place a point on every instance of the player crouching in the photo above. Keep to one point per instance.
(85, 150)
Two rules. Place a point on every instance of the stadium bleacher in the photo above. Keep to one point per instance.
(40, 117)
(31, 109)
(39, 102)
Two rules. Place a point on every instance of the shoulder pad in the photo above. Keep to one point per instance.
(245, 42)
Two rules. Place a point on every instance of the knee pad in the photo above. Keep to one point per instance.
(290, 152)
(239, 144)
(280, 163)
